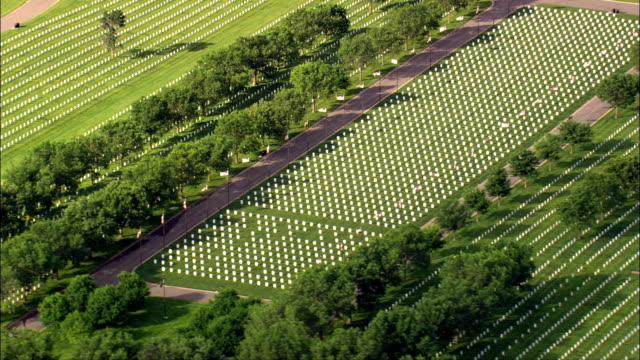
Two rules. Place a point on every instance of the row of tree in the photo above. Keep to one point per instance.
(83, 307)
(601, 192)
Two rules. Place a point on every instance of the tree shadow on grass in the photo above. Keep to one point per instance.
(191, 47)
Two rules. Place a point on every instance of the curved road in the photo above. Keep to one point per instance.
(182, 223)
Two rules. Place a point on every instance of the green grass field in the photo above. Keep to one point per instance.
(9, 5)
(309, 175)
(123, 80)
(596, 268)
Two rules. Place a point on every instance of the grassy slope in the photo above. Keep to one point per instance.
(77, 122)
(10, 5)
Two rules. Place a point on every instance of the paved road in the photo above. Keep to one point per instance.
(183, 222)
(27, 11)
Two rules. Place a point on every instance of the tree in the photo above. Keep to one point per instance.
(619, 90)
(627, 172)
(27, 344)
(266, 118)
(283, 45)
(256, 54)
(477, 201)
(11, 221)
(605, 190)
(329, 290)
(452, 5)
(412, 22)
(151, 114)
(370, 2)
(372, 268)
(125, 203)
(65, 246)
(105, 306)
(331, 20)
(222, 321)
(133, 290)
(188, 162)
(384, 39)
(549, 148)
(53, 309)
(357, 51)
(523, 164)
(282, 340)
(215, 151)
(342, 344)
(412, 244)
(575, 133)
(94, 223)
(28, 257)
(111, 22)
(218, 75)
(290, 105)
(182, 104)
(177, 347)
(453, 216)
(78, 292)
(317, 78)
(155, 177)
(240, 130)
(391, 334)
(124, 135)
(304, 27)
(108, 344)
(579, 208)
(76, 326)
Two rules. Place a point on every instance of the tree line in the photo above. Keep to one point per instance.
(311, 320)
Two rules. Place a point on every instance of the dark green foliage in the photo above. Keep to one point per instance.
(256, 55)
(385, 39)
(76, 326)
(453, 215)
(290, 106)
(78, 292)
(619, 90)
(498, 183)
(221, 321)
(105, 306)
(523, 164)
(341, 345)
(331, 20)
(477, 201)
(270, 337)
(627, 172)
(215, 153)
(126, 203)
(579, 208)
(357, 51)
(316, 78)
(453, 4)
(575, 133)
(240, 130)
(151, 114)
(133, 290)
(54, 309)
(188, 162)
(26, 344)
(411, 22)
(549, 148)
(177, 348)
(156, 177)
(111, 22)
(92, 221)
(125, 136)
(106, 345)
(267, 120)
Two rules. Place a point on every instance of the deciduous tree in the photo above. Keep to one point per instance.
(523, 164)
(111, 22)
(357, 51)
(619, 90)
(549, 148)
(575, 134)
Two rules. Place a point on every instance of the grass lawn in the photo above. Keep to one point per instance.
(243, 248)
(10, 5)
